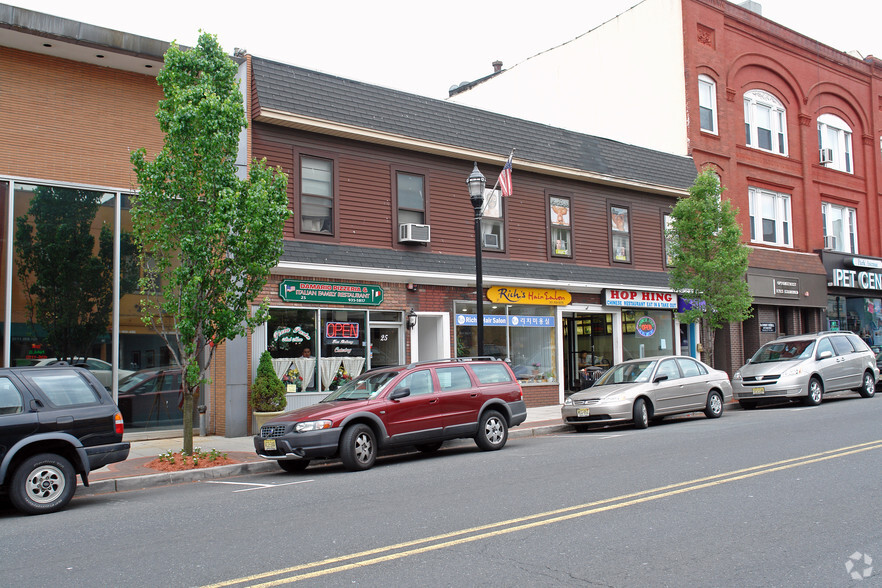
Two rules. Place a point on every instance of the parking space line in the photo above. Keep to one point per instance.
(255, 486)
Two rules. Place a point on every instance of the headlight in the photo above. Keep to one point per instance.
(568, 401)
(792, 372)
(737, 375)
(312, 426)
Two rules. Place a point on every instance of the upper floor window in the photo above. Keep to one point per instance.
(834, 142)
(667, 223)
(765, 122)
(707, 103)
(493, 223)
(620, 226)
(411, 199)
(561, 226)
(316, 195)
(840, 228)
(770, 217)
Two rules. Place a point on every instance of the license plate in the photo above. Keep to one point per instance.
(759, 390)
(269, 444)
(583, 412)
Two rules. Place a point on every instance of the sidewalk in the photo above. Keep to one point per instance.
(133, 474)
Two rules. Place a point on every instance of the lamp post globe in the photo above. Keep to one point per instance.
(476, 183)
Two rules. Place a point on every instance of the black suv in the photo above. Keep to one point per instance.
(55, 423)
(421, 404)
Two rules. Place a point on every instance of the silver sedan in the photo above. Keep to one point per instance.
(640, 390)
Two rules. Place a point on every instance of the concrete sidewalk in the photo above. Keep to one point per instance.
(133, 473)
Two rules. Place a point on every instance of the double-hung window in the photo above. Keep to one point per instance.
(316, 195)
(765, 122)
(667, 225)
(411, 198)
(561, 226)
(620, 227)
(834, 142)
(840, 228)
(770, 218)
(493, 223)
(707, 103)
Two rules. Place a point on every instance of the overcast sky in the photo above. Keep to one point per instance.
(422, 47)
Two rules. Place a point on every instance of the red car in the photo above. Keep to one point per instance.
(421, 405)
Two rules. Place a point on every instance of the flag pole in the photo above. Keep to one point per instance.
(496, 185)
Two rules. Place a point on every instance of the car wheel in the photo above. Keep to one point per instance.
(815, 392)
(641, 414)
(293, 465)
(43, 483)
(868, 389)
(429, 447)
(492, 431)
(747, 405)
(714, 407)
(581, 428)
(358, 448)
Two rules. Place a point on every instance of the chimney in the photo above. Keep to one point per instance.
(497, 66)
(752, 6)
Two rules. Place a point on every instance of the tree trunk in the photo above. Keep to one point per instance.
(707, 335)
(189, 402)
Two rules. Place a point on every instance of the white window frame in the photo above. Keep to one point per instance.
(707, 99)
(840, 222)
(835, 134)
(493, 220)
(755, 103)
(781, 217)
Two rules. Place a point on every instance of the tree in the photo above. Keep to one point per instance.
(267, 391)
(207, 239)
(709, 259)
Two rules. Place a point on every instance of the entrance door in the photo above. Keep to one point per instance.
(588, 348)
(385, 347)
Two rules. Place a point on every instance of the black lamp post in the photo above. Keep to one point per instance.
(476, 183)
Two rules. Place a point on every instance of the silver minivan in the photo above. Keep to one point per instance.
(807, 366)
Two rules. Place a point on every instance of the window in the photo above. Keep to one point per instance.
(316, 195)
(10, 398)
(668, 368)
(491, 373)
(770, 217)
(419, 383)
(453, 378)
(561, 230)
(667, 221)
(621, 234)
(765, 122)
(707, 104)
(834, 143)
(840, 228)
(411, 199)
(64, 388)
(492, 223)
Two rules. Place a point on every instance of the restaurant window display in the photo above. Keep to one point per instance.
(521, 334)
(647, 333)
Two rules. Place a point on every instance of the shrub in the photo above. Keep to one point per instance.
(267, 391)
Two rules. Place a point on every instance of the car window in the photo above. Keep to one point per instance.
(858, 343)
(825, 345)
(171, 381)
(625, 373)
(491, 373)
(419, 382)
(453, 378)
(10, 398)
(668, 368)
(784, 351)
(691, 368)
(841, 345)
(64, 388)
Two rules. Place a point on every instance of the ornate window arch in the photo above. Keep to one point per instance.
(765, 122)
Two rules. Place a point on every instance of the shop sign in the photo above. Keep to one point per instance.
(768, 328)
(645, 326)
(500, 320)
(787, 287)
(845, 278)
(505, 294)
(335, 330)
(641, 299)
(330, 292)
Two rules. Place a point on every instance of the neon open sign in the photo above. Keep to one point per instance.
(341, 330)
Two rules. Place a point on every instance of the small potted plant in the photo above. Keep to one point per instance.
(267, 392)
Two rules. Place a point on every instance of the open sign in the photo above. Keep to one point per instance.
(341, 330)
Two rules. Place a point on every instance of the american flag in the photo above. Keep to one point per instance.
(504, 180)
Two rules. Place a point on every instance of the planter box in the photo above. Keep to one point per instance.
(259, 418)
(301, 399)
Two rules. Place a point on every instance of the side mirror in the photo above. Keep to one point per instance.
(399, 393)
(659, 379)
(825, 354)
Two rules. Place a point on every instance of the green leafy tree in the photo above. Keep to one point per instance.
(267, 391)
(207, 239)
(709, 259)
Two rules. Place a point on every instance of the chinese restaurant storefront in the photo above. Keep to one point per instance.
(649, 326)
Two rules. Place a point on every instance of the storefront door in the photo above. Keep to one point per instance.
(385, 346)
(588, 348)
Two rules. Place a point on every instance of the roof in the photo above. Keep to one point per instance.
(320, 96)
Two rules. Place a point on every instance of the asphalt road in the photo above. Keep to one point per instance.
(783, 496)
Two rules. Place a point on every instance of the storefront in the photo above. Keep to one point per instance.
(648, 324)
(854, 296)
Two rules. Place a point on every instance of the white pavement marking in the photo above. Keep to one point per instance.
(256, 486)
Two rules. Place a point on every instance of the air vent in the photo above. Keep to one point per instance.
(413, 233)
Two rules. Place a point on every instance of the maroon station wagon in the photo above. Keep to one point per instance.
(421, 404)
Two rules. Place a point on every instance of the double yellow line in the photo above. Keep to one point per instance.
(343, 563)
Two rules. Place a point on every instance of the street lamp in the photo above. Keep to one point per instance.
(476, 183)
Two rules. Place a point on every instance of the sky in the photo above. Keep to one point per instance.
(422, 47)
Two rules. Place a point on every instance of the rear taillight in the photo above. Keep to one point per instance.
(118, 423)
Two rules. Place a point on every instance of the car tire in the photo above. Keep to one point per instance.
(747, 404)
(714, 407)
(358, 448)
(429, 447)
(868, 386)
(815, 393)
(581, 428)
(42, 483)
(292, 466)
(641, 414)
(492, 431)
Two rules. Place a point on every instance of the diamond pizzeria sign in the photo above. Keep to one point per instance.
(330, 293)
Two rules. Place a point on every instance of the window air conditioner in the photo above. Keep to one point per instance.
(826, 156)
(413, 233)
(830, 242)
(491, 241)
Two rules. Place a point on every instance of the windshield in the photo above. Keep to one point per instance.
(625, 373)
(784, 351)
(364, 387)
(133, 380)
